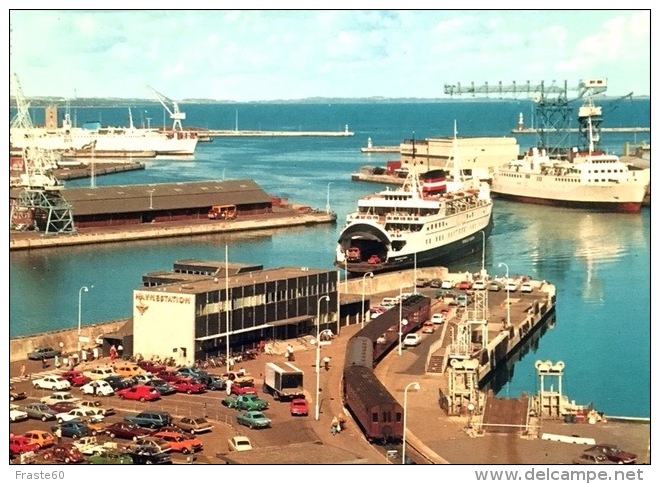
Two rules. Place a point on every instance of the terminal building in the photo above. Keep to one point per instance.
(190, 312)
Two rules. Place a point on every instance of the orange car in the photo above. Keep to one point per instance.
(126, 370)
(180, 442)
(41, 438)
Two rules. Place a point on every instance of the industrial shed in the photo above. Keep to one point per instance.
(136, 204)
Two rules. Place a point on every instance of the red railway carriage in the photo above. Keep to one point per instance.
(377, 412)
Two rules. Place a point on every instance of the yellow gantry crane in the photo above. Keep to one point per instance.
(175, 115)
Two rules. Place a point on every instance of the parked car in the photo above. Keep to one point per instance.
(376, 311)
(142, 393)
(168, 376)
(494, 286)
(76, 378)
(412, 339)
(479, 285)
(435, 283)
(245, 402)
(180, 442)
(59, 397)
(118, 383)
(298, 407)
(437, 318)
(127, 370)
(99, 373)
(97, 387)
(245, 387)
(64, 453)
(462, 300)
(142, 379)
(40, 411)
(154, 419)
(148, 450)
(422, 282)
(50, 382)
(614, 453)
(15, 394)
(195, 425)
(428, 328)
(97, 405)
(374, 259)
(151, 367)
(161, 385)
(447, 284)
(19, 444)
(592, 457)
(62, 406)
(40, 437)
(153, 445)
(213, 382)
(191, 372)
(253, 419)
(43, 352)
(16, 414)
(239, 443)
(127, 430)
(464, 285)
(188, 385)
(74, 429)
(511, 286)
(81, 414)
(526, 287)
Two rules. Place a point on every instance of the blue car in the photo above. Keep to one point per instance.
(191, 372)
(162, 386)
(74, 429)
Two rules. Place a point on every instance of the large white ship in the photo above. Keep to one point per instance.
(591, 180)
(429, 220)
(119, 140)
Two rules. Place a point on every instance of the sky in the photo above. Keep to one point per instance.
(253, 55)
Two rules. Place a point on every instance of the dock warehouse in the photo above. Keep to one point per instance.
(166, 202)
(188, 319)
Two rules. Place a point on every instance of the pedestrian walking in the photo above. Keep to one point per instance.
(44, 363)
(229, 383)
(23, 370)
(120, 352)
(334, 426)
(326, 363)
(231, 363)
(57, 362)
(113, 353)
(84, 355)
(58, 434)
(95, 352)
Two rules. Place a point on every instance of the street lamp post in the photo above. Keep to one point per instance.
(483, 251)
(318, 350)
(327, 200)
(400, 316)
(80, 291)
(414, 385)
(508, 306)
(364, 278)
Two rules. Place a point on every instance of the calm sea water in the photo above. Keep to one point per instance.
(600, 263)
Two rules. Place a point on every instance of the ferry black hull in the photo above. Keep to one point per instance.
(613, 207)
(441, 255)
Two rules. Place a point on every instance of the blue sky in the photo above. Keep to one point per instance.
(292, 54)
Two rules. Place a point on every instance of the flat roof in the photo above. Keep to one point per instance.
(202, 284)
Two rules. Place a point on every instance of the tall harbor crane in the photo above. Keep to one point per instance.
(552, 108)
(22, 118)
(176, 115)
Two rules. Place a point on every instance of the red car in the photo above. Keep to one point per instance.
(126, 430)
(151, 367)
(464, 285)
(244, 388)
(168, 376)
(188, 385)
(374, 259)
(19, 445)
(62, 407)
(64, 453)
(139, 392)
(76, 378)
(298, 406)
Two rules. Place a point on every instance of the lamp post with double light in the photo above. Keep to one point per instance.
(318, 351)
(414, 385)
(364, 278)
(508, 305)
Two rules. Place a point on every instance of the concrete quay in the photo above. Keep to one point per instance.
(100, 235)
(277, 134)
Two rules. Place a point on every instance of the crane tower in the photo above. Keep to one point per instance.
(175, 114)
(552, 106)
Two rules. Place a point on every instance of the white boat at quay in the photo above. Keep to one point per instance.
(428, 221)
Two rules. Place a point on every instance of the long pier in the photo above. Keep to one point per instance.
(576, 130)
(276, 134)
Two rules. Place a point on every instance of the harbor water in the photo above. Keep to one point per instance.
(599, 262)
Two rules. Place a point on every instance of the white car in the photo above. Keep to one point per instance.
(16, 414)
(447, 284)
(59, 397)
(83, 414)
(479, 285)
(239, 443)
(143, 378)
(412, 339)
(99, 373)
(98, 387)
(511, 286)
(526, 287)
(51, 382)
(428, 328)
(438, 318)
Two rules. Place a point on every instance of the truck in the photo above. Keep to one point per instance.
(283, 382)
(222, 212)
(89, 445)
